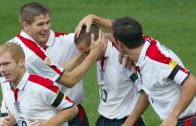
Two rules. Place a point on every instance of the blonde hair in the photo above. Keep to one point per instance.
(14, 49)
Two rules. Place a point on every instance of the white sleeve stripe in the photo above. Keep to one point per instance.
(180, 77)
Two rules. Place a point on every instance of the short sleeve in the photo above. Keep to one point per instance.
(57, 99)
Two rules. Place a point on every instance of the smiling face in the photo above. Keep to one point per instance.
(39, 29)
(10, 68)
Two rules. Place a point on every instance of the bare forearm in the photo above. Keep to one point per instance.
(187, 94)
(71, 78)
(71, 64)
(139, 109)
(105, 23)
(62, 117)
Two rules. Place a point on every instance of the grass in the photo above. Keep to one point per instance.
(172, 22)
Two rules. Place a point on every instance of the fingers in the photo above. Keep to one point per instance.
(77, 31)
(88, 26)
(120, 58)
(92, 38)
(5, 121)
(127, 61)
(34, 122)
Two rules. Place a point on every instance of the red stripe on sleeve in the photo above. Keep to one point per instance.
(34, 47)
(45, 82)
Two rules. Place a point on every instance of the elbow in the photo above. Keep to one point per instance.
(70, 84)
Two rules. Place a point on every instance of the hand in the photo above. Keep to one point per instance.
(5, 121)
(86, 21)
(97, 46)
(128, 61)
(170, 121)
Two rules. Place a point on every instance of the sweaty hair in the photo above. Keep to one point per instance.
(14, 49)
(128, 31)
(86, 37)
(30, 10)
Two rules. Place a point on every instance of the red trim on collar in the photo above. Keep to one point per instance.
(57, 34)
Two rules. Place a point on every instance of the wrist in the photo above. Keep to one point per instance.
(173, 115)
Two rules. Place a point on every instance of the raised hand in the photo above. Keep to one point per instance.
(86, 21)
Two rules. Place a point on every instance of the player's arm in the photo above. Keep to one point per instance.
(90, 19)
(62, 116)
(140, 107)
(71, 64)
(188, 92)
(69, 79)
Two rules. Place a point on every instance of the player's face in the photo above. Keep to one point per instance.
(120, 47)
(9, 68)
(83, 48)
(39, 30)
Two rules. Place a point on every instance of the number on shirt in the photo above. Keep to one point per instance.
(24, 123)
(103, 94)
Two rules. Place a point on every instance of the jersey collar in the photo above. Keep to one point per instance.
(23, 81)
(143, 54)
(25, 35)
(51, 39)
(108, 49)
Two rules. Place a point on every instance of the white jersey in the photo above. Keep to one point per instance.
(60, 48)
(36, 59)
(162, 75)
(118, 94)
(35, 97)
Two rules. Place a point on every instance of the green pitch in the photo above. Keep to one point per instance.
(172, 22)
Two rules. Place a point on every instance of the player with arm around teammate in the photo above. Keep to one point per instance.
(117, 91)
(45, 54)
(168, 86)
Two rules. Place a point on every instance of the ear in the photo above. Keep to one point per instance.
(21, 62)
(25, 25)
(119, 44)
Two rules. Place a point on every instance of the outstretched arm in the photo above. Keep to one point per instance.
(69, 79)
(71, 64)
(89, 20)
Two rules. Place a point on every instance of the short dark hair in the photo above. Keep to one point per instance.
(86, 37)
(128, 31)
(30, 10)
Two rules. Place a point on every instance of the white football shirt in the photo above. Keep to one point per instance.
(61, 48)
(162, 75)
(118, 94)
(37, 98)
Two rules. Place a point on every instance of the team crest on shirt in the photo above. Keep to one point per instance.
(172, 64)
(47, 61)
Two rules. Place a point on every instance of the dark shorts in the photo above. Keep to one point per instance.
(102, 121)
(187, 121)
(81, 119)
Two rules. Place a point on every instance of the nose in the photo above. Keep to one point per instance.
(46, 27)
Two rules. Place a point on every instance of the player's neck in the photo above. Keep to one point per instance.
(135, 53)
(18, 79)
